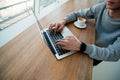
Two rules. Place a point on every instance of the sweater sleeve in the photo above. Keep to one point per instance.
(88, 13)
(110, 53)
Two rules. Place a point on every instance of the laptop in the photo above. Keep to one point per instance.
(50, 40)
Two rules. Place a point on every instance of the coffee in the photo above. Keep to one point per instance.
(81, 21)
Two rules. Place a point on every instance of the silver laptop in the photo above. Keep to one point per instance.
(50, 40)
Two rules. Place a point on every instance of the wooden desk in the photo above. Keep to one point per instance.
(27, 57)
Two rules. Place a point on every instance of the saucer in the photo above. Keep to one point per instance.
(79, 26)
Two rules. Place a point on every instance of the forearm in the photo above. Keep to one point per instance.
(110, 53)
(88, 13)
(85, 13)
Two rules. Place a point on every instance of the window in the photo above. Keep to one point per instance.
(17, 14)
(13, 10)
(45, 3)
(43, 7)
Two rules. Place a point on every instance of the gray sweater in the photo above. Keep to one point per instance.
(107, 39)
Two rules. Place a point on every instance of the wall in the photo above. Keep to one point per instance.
(107, 71)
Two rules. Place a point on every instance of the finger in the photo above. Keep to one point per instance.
(60, 40)
(60, 28)
(62, 44)
(64, 47)
(59, 43)
(56, 28)
(51, 26)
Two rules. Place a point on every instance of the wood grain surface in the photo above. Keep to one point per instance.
(27, 57)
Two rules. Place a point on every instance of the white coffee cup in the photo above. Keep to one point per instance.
(81, 21)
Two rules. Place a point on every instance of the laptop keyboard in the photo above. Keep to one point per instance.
(53, 39)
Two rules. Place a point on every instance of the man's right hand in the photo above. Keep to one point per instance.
(58, 26)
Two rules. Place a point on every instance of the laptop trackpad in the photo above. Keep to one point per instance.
(66, 32)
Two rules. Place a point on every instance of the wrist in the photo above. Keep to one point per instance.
(64, 21)
(82, 47)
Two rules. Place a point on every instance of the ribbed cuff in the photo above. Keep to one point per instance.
(89, 49)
